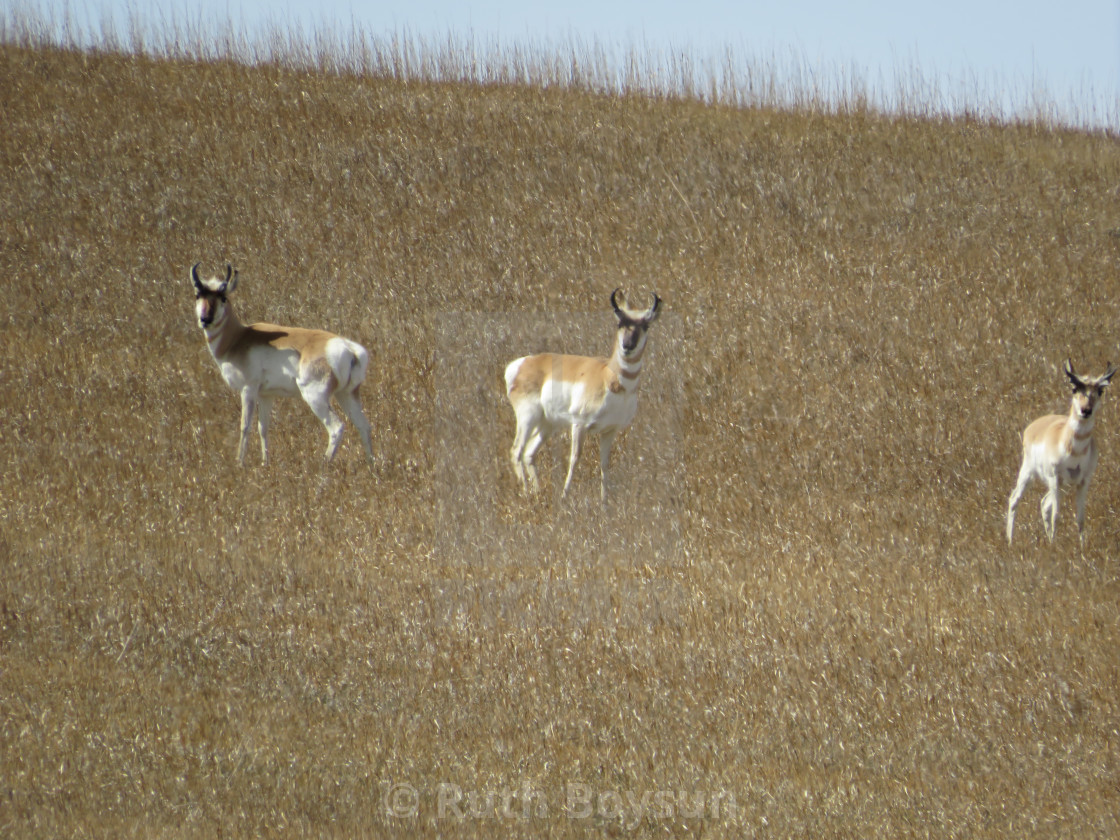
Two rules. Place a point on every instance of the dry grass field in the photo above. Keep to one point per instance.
(798, 617)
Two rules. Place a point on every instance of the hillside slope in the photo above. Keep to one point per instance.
(799, 615)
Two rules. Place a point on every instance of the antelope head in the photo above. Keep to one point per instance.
(1087, 390)
(210, 295)
(632, 324)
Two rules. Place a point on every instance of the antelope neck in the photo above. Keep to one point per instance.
(221, 334)
(628, 368)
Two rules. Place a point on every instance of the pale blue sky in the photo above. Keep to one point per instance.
(1070, 49)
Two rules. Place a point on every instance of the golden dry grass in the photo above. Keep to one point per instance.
(799, 610)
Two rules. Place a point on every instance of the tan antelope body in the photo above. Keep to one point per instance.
(1059, 449)
(550, 392)
(264, 361)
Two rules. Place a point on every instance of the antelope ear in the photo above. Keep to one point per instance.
(653, 311)
(232, 283)
(1107, 375)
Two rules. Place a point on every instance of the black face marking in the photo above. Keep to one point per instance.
(1088, 390)
(210, 310)
(631, 335)
(1086, 395)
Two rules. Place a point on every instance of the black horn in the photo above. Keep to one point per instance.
(614, 302)
(1074, 379)
(654, 310)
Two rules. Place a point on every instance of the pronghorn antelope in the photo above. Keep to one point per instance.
(1060, 449)
(550, 391)
(264, 361)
